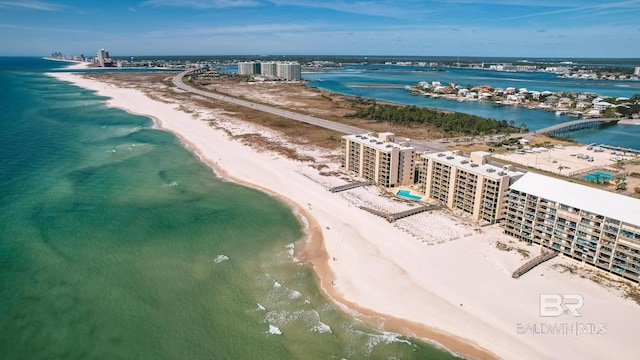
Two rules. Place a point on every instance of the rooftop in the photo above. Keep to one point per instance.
(583, 197)
(465, 163)
(376, 143)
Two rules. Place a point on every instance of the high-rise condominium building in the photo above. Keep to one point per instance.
(470, 184)
(291, 71)
(376, 157)
(103, 58)
(597, 227)
(248, 67)
(269, 68)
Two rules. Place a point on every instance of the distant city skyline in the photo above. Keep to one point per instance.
(493, 28)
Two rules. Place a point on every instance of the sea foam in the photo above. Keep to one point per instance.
(274, 330)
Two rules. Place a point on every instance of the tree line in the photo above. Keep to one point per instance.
(457, 123)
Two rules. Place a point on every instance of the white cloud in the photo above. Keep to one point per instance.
(33, 5)
(41, 29)
(202, 4)
(596, 9)
(384, 8)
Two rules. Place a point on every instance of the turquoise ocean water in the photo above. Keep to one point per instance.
(357, 80)
(117, 243)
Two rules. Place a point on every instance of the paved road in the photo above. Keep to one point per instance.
(327, 124)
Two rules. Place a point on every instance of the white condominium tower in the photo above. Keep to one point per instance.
(289, 71)
(103, 57)
(248, 68)
(469, 184)
(376, 157)
(595, 226)
(269, 68)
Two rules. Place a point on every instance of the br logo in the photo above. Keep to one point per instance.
(554, 305)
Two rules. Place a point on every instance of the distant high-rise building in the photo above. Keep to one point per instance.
(289, 71)
(103, 58)
(248, 68)
(269, 68)
(637, 71)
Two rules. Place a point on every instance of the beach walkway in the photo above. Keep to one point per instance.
(533, 263)
(392, 217)
(349, 186)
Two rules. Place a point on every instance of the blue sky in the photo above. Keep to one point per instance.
(519, 28)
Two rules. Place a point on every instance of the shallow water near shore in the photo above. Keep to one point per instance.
(116, 242)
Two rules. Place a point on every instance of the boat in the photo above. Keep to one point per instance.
(560, 112)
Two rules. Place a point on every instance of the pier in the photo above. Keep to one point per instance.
(565, 128)
(533, 263)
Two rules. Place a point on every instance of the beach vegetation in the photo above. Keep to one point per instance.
(621, 184)
(447, 122)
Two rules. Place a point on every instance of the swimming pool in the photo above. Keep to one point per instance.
(598, 176)
(407, 194)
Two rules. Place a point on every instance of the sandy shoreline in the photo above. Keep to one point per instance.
(462, 287)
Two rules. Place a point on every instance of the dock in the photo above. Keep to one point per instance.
(618, 148)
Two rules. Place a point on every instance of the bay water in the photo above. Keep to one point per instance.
(118, 243)
(387, 82)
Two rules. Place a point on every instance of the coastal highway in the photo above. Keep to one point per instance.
(327, 124)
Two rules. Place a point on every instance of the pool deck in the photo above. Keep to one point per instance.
(408, 194)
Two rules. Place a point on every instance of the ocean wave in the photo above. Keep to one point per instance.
(290, 251)
(293, 294)
(384, 337)
(310, 318)
(274, 330)
(322, 328)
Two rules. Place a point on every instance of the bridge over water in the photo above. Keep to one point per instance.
(565, 128)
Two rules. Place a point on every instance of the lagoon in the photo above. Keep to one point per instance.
(387, 82)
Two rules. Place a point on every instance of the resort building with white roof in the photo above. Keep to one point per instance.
(470, 184)
(597, 227)
(377, 158)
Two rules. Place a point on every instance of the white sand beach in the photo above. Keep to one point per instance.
(456, 290)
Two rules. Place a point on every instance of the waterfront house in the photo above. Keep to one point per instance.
(551, 100)
(565, 102)
(583, 105)
(601, 105)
